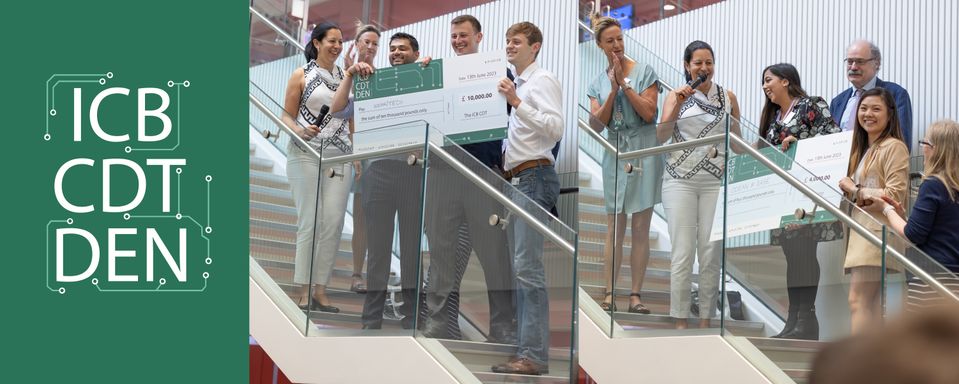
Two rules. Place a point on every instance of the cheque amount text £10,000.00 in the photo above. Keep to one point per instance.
(476, 97)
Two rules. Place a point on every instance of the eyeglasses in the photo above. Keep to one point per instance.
(858, 62)
(926, 143)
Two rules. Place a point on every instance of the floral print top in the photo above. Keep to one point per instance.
(811, 118)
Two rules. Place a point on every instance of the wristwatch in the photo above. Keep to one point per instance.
(626, 84)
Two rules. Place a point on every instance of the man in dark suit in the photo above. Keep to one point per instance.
(862, 63)
(455, 207)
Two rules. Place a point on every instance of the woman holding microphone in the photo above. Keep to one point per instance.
(320, 201)
(693, 178)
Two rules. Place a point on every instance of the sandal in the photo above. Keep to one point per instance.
(611, 305)
(638, 308)
(358, 285)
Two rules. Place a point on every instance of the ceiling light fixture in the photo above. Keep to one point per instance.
(669, 7)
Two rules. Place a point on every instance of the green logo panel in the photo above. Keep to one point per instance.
(399, 80)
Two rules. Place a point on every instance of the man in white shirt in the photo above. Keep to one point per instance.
(535, 126)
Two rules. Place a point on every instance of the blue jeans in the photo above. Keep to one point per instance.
(539, 185)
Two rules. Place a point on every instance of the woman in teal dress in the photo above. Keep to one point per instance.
(624, 101)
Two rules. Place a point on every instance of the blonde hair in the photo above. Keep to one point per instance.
(364, 28)
(602, 23)
(944, 162)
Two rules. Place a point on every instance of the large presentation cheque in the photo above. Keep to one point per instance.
(456, 95)
(760, 200)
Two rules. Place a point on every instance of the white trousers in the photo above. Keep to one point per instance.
(317, 199)
(690, 205)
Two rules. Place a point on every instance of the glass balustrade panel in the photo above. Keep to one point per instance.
(372, 173)
(499, 265)
(273, 213)
(915, 282)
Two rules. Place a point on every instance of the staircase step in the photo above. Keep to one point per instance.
(660, 321)
(787, 345)
(594, 249)
(261, 164)
(273, 196)
(794, 357)
(272, 230)
(272, 212)
(480, 357)
(654, 277)
(268, 179)
(800, 376)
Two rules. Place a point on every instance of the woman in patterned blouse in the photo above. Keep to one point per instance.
(788, 116)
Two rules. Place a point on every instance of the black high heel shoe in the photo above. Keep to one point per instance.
(316, 306)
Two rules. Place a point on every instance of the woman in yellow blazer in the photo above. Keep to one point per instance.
(878, 166)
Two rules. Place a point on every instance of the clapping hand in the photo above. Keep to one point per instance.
(615, 69)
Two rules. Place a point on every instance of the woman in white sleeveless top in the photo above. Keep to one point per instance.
(320, 201)
(692, 181)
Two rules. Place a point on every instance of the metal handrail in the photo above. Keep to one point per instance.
(501, 198)
(670, 147)
(648, 151)
(371, 154)
(279, 123)
(277, 29)
(859, 228)
(596, 136)
(335, 159)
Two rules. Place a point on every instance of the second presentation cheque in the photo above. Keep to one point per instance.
(456, 96)
(761, 200)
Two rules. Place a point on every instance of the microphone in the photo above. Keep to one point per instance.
(323, 112)
(697, 81)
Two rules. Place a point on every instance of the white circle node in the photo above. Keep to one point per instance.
(70, 221)
(103, 81)
(128, 149)
(109, 75)
(46, 136)
(95, 281)
(209, 261)
(126, 216)
(206, 275)
(53, 112)
(208, 178)
(186, 84)
(179, 171)
(62, 290)
(162, 281)
(179, 216)
(208, 229)
(169, 83)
